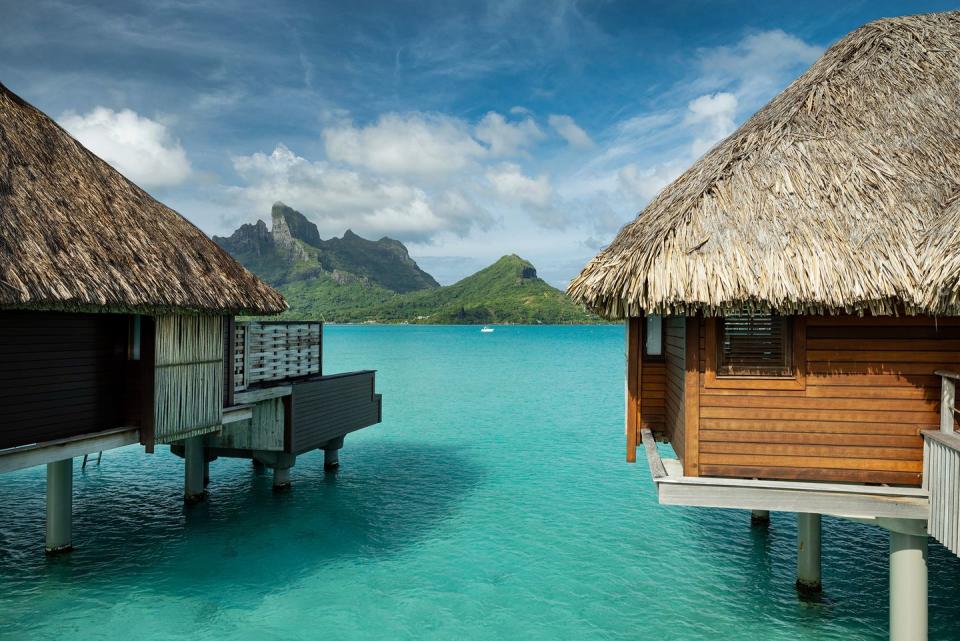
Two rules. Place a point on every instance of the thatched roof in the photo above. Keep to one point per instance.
(839, 195)
(76, 235)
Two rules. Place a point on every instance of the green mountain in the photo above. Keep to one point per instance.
(352, 279)
(509, 291)
(292, 251)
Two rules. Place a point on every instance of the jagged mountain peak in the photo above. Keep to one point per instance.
(288, 223)
(293, 250)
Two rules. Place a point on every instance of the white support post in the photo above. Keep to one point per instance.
(281, 478)
(908, 587)
(331, 459)
(808, 552)
(193, 464)
(59, 506)
(331, 454)
(948, 396)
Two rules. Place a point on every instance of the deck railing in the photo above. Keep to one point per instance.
(941, 468)
(275, 351)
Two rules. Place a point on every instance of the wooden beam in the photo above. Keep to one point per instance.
(17, 458)
(263, 394)
(237, 413)
(657, 470)
(634, 327)
(691, 398)
(820, 500)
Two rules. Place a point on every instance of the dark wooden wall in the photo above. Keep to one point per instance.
(60, 375)
(329, 407)
(870, 388)
(674, 352)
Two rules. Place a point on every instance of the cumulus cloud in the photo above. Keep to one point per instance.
(506, 138)
(533, 195)
(511, 184)
(757, 65)
(645, 183)
(714, 115)
(570, 131)
(337, 198)
(406, 145)
(140, 148)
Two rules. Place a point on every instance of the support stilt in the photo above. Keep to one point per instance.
(908, 587)
(206, 474)
(331, 454)
(193, 468)
(281, 478)
(60, 506)
(808, 553)
(759, 518)
(258, 467)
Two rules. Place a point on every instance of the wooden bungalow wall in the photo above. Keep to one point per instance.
(62, 376)
(674, 352)
(869, 389)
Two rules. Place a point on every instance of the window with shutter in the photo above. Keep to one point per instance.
(754, 345)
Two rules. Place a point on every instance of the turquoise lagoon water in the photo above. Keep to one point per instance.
(492, 503)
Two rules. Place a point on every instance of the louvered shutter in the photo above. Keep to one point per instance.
(754, 345)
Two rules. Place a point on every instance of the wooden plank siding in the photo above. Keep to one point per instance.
(63, 375)
(653, 393)
(869, 390)
(674, 352)
(327, 407)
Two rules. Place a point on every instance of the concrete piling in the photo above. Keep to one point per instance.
(193, 469)
(908, 587)
(331, 454)
(808, 553)
(281, 478)
(59, 506)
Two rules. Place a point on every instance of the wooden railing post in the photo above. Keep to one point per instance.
(633, 386)
(246, 353)
(948, 396)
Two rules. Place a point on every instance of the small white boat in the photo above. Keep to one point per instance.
(486, 330)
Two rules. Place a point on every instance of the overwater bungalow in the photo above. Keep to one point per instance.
(117, 327)
(791, 304)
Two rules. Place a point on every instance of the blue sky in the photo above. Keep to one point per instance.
(467, 130)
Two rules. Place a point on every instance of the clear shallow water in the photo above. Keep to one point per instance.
(492, 503)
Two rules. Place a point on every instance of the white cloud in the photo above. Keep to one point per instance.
(646, 183)
(507, 138)
(513, 186)
(570, 131)
(405, 145)
(140, 148)
(337, 198)
(757, 65)
(534, 196)
(713, 115)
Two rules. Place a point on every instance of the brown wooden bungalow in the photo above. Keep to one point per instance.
(117, 327)
(792, 298)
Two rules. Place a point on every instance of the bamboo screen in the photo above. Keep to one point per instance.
(188, 388)
(276, 351)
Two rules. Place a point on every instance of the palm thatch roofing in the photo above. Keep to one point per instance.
(840, 195)
(76, 235)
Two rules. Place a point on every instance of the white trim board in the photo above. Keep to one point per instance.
(18, 458)
(839, 499)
